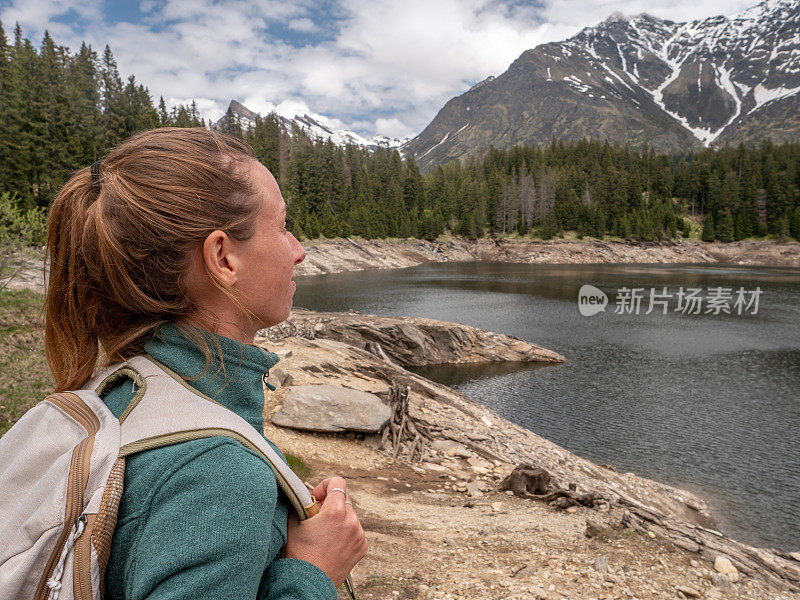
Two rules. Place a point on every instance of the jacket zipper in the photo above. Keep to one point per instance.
(76, 408)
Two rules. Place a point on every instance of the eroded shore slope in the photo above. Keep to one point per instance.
(340, 255)
(439, 524)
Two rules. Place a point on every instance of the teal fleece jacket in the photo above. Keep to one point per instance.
(205, 518)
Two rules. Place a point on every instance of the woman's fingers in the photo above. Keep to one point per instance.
(328, 485)
(333, 539)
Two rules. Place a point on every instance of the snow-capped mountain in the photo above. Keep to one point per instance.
(641, 80)
(315, 129)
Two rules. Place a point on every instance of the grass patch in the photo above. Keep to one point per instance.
(24, 376)
(297, 465)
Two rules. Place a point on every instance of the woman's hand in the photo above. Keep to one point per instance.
(333, 539)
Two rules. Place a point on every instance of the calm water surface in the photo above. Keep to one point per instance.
(707, 402)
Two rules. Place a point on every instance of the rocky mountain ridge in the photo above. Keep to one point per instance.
(315, 128)
(641, 79)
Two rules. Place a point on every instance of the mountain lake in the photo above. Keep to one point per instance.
(688, 394)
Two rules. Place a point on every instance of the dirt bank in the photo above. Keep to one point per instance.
(336, 256)
(341, 255)
(440, 528)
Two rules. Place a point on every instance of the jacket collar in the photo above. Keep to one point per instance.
(235, 381)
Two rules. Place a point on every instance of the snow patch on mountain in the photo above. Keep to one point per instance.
(764, 95)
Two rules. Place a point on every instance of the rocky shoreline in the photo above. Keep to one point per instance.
(412, 341)
(461, 452)
(350, 254)
(340, 255)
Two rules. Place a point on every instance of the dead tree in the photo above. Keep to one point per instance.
(402, 431)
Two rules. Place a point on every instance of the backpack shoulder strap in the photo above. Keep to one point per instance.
(166, 410)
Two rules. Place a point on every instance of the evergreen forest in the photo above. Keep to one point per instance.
(61, 110)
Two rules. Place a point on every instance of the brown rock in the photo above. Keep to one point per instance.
(525, 479)
(593, 528)
(690, 592)
(524, 571)
(723, 565)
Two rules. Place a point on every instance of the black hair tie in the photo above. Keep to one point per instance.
(95, 169)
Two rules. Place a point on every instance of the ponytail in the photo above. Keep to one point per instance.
(71, 344)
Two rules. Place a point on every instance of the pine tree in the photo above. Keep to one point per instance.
(724, 230)
(782, 229)
(795, 224)
(625, 230)
(265, 138)
(53, 91)
(231, 124)
(85, 101)
(6, 147)
(26, 124)
(111, 99)
(672, 224)
(708, 234)
(741, 225)
(163, 115)
(180, 116)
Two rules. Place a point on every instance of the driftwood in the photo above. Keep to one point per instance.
(537, 484)
(376, 349)
(778, 568)
(401, 425)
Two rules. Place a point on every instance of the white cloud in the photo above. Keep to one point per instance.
(35, 15)
(579, 13)
(392, 128)
(291, 107)
(402, 58)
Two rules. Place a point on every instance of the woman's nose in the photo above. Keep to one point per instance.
(299, 251)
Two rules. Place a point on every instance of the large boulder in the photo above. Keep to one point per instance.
(330, 408)
(412, 341)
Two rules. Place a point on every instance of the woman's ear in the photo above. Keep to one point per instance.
(221, 258)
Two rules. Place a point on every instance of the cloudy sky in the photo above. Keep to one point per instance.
(373, 66)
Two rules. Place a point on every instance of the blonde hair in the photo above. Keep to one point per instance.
(118, 242)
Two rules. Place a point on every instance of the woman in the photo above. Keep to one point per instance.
(176, 245)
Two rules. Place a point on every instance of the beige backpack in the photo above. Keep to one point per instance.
(61, 474)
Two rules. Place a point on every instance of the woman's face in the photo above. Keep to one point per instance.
(266, 279)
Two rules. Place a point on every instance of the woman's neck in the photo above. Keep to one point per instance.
(223, 325)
